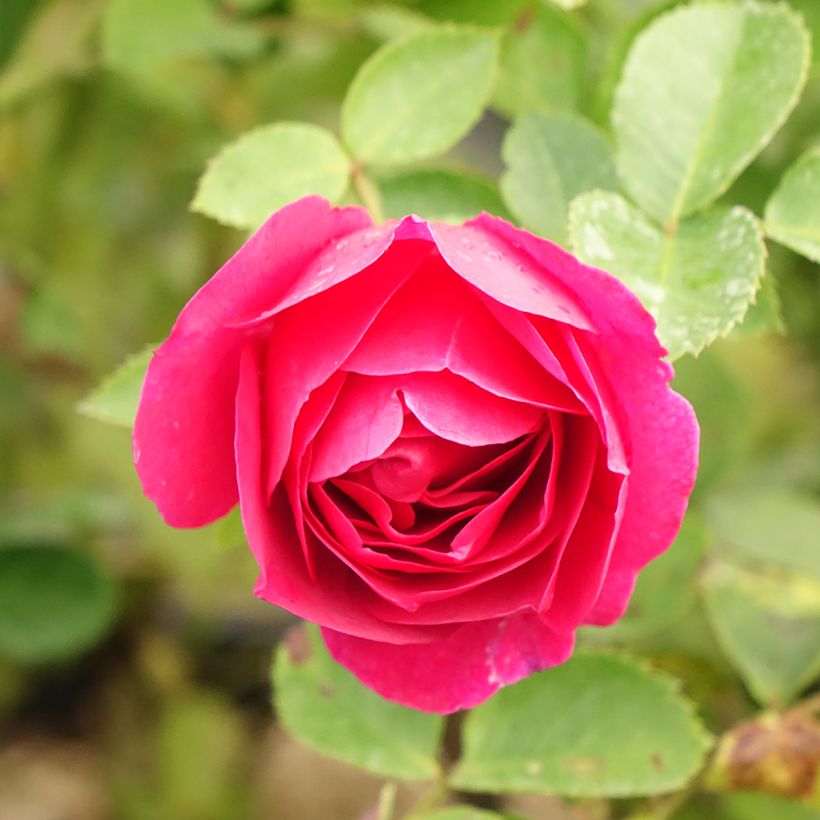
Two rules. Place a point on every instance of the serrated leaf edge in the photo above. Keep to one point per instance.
(86, 406)
(279, 659)
(672, 687)
(747, 158)
(197, 206)
(734, 320)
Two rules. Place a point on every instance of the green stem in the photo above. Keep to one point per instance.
(434, 797)
(387, 802)
(367, 192)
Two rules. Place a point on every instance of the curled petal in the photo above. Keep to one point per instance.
(414, 333)
(333, 596)
(365, 420)
(310, 340)
(457, 410)
(501, 267)
(458, 672)
(659, 425)
(184, 430)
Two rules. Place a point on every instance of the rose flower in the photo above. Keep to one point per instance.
(451, 446)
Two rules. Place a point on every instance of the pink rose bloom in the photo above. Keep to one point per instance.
(451, 446)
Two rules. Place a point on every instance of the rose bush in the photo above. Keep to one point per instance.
(451, 446)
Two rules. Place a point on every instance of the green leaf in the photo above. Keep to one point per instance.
(267, 168)
(326, 707)
(115, 400)
(461, 813)
(325, 10)
(622, 21)
(767, 527)
(483, 13)
(703, 90)
(762, 592)
(810, 9)
(567, 5)
(416, 97)
(54, 603)
(793, 212)
(139, 35)
(386, 22)
(765, 314)
(697, 282)
(666, 587)
(756, 806)
(449, 196)
(14, 15)
(768, 625)
(542, 66)
(606, 726)
(229, 532)
(550, 160)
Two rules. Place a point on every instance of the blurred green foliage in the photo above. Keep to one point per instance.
(134, 666)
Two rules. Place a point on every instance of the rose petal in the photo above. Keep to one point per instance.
(580, 575)
(523, 556)
(478, 473)
(365, 420)
(455, 409)
(458, 672)
(183, 433)
(500, 266)
(664, 464)
(660, 425)
(310, 340)
(342, 537)
(312, 416)
(414, 333)
(482, 527)
(594, 389)
(337, 262)
(336, 598)
(381, 513)
(410, 591)
(409, 466)
(534, 506)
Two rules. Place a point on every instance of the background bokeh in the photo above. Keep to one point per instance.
(134, 660)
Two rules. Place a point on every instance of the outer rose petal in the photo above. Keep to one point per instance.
(661, 425)
(414, 333)
(297, 364)
(183, 434)
(662, 478)
(458, 672)
(503, 270)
